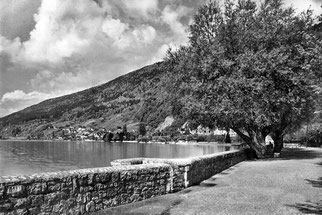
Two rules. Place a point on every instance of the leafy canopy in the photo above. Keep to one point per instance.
(249, 67)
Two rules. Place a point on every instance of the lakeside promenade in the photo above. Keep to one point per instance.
(290, 185)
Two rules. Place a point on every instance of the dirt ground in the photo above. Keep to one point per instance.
(291, 185)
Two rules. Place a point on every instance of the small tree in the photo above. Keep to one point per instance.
(125, 133)
(142, 129)
(250, 69)
(227, 136)
(124, 129)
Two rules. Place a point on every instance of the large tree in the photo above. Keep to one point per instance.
(249, 68)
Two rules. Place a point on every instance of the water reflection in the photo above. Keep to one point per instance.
(19, 157)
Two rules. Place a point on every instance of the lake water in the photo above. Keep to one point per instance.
(28, 157)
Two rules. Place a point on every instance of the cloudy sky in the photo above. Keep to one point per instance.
(49, 48)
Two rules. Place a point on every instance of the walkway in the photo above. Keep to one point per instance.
(289, 185)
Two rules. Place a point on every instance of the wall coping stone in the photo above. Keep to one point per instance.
(51, 176)
(171, 161)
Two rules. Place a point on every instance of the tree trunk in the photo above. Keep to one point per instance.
(278, 141)
(258, 148)
(258, 144)
(227, 136)
(256, 141)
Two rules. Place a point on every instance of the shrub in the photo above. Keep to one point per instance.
(215, 138)
(201, 138)
(313, 138)
(144, 139)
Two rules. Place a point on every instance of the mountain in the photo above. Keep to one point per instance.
(139, 96)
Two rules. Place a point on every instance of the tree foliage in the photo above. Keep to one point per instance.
(249, 68)
(142, 129)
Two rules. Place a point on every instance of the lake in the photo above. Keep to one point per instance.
(28, 157)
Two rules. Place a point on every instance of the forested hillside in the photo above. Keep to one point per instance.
(139, 96)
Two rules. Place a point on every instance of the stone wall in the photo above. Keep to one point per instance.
(128, 180)
(81, 191)
(191, 171)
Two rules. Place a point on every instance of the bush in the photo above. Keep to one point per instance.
(144, 139)
(313, 138)
(215, 138)
(201, 138)
(161, 139)
(171, 131)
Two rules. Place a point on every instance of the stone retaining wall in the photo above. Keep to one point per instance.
(81, 191)
(191, 171)
(88, 190)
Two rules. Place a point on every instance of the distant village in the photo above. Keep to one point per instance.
(121, 134)
(82, 133)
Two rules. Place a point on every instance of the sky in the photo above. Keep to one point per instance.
(50, 48)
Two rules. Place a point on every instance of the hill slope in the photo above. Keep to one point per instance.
(139, 96)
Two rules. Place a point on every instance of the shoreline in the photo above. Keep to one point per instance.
(192, 143)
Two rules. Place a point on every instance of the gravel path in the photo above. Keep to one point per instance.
(291, 185)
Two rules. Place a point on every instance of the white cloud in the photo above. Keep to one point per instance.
(62, 29)
(47, 85)
(161, 53)
(145, 34)
(172, 18)
(59, 83)
(304, 5)
(143, 7)
(17, 100)
(16, 18)
(122, 37)
(11, 47)
(20, 95)
(114, 28)
(42, 78)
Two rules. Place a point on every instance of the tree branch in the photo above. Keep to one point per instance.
(241, 134)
